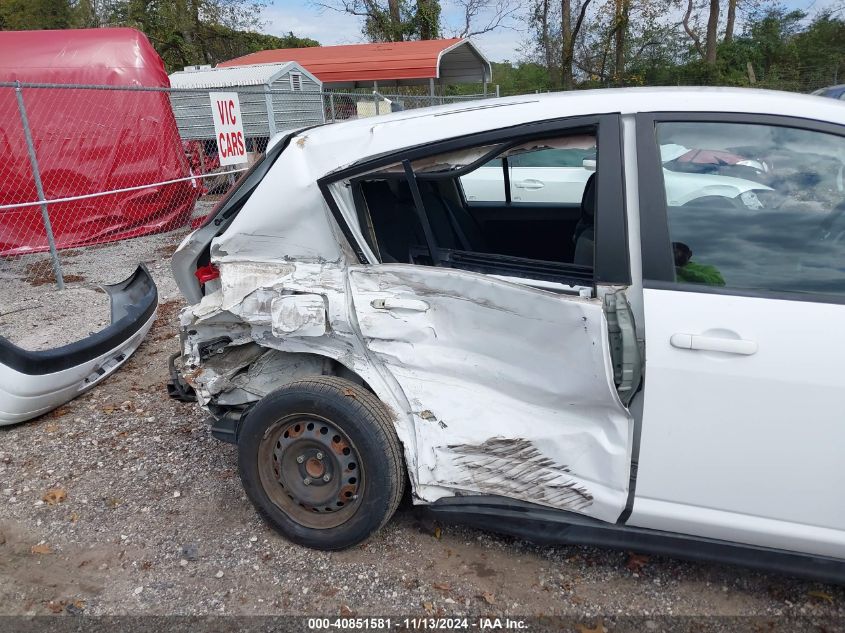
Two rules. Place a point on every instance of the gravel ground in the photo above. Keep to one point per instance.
(121, 503)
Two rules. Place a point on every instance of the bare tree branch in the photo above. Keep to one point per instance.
(693, 36)
(497, 13)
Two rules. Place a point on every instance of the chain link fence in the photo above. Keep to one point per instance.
(91, 171)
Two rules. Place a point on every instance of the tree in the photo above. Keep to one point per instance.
(690, 31)
(402, 20)
(731, 21)
(620, 28)
(16, 15)
(427, 19)
(190, 32)
(712, 32)
(483, 16)
(570, 35)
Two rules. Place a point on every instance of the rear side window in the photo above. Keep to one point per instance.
(755, 207)
(460, 208)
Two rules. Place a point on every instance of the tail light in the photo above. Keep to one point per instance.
(207, 273)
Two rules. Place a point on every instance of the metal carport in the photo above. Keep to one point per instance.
(385, 64)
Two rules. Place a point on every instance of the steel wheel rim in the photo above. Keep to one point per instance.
(302, 447)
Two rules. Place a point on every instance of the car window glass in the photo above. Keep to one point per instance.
(554, 171)
(755, 207)
(556, 226)
(553, 158)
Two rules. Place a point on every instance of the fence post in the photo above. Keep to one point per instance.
(375, 97)
(39, 187)
(331, 103)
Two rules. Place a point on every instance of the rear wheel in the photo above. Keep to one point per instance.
(320, 460)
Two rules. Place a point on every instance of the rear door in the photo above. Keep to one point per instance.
(507, 368)
(743, 429)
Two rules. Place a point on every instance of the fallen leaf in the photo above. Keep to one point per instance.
(54, 496)
(56, 606)
(57, 413)
(52, 428)
(74, 517)
(108, 409)
(429, 608)
(585, 628)
(636, 562)
(41, 548)
(76, 607)
(346, 612)
(821, 595)
(437, 533)
(146, 564)
(442, 586)
(488, 597)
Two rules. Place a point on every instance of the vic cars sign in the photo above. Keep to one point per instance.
(228, 127)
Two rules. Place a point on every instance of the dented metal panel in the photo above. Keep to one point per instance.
(511, 387)
(297, 315)
(495, 387)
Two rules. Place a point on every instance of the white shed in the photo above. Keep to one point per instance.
(273, 97)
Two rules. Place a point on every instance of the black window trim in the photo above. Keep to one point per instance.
(658, 265)
(611, 265)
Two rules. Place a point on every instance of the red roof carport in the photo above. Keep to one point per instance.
(450, 61)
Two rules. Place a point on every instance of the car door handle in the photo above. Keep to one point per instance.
(713, 344)
(529, 183)
(394, 303)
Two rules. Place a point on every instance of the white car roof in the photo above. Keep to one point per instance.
(339, 145)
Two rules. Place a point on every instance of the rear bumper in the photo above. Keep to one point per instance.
(33, 383)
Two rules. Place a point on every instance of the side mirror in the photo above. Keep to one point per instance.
(589, 164)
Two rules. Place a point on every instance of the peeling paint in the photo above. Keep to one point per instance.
(300, 315)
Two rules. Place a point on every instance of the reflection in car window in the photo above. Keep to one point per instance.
(553, 158)
(762, 207)
(545, 172)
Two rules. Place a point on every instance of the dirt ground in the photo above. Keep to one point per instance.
(120, 502)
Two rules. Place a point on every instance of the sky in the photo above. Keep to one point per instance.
(332, 27)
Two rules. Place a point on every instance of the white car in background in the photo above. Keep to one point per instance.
(557, 176)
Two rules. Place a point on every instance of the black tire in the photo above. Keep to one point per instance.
(280, 446)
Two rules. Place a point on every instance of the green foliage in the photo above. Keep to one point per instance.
(397, 20)
(512, 79)
(784, 49)
(17, 15)
(223, 43)
(184, 32)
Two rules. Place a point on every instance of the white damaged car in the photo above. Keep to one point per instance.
(616, 367)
